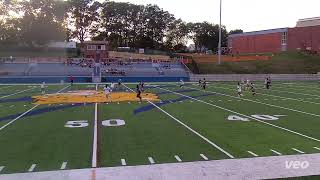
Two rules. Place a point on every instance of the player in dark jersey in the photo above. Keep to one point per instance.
(138, 89)
(204, 84)
(200, 82)
(253, 89)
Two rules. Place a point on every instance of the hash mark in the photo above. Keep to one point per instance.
(253, 154)
(276, 152)
(123, 162)
(151, 160)
(297, 150)
(204, 157)
(178, 158)
(32, 167)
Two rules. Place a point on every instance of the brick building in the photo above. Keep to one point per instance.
(305, 36)
(95, 49)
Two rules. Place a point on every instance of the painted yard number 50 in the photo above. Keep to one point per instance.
(85, 123)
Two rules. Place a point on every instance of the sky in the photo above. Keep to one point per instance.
(248, 15)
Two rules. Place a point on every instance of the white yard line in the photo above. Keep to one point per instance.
(250, 117)
(23, 114)
(12, 121)
(63, 165)
(259, 102)
(190, 129)
(32, 167)
(123, 162)
(316, 148)
(178, 158)
(297, 150)
(151, 160)
(19, 92)
(95, 136)
(276, 152)
(204, 157)
(253, 154)
(1, 168)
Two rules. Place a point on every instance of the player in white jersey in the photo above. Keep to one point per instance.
(42, 86)
(107, 91)
(181, 83)
(239, 90)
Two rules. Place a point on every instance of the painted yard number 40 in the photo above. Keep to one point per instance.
(85, 123)
(260, 117)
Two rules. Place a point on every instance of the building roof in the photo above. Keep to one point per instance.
(95, 42)
(315, 21)
(269, 31)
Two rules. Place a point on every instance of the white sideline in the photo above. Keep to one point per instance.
(64, 165)
(95, 135)
(219, 107)
(151, 160)
(178, 158)
(19, 92)
(297, 150)
(123, 162)
(271, 167)
(12, 121)
(258, 102)
(204, 157)
(276, 152)
(32, 167)
(253, 154)
(189, 128)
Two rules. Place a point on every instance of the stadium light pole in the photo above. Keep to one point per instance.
(219, 46)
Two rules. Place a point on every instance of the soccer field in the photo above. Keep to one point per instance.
(187, 124)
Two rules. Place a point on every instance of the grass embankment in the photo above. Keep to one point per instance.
(283, 63)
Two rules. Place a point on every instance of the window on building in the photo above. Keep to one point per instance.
(284, 38)
(91, 47)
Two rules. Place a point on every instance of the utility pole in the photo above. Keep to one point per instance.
(219, 46)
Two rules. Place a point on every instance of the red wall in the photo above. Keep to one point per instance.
(257, 43)
(303, 37)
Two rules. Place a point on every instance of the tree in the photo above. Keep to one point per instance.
(83, 15)
(177, 35)
(206, 36)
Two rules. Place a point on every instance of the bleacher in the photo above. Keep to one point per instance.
(135, 69)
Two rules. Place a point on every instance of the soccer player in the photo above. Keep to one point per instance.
(42, 86)
(200, 82)
(142, 86)
(138, 89)
(253, 89)
(181, 83)
(107, 91)
(239, 90)
(248, 84)
(119, 84)
(71, 78)
(204, 84)
(112, 85)
(268, 83)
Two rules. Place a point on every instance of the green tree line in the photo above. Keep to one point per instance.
(37, 22)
